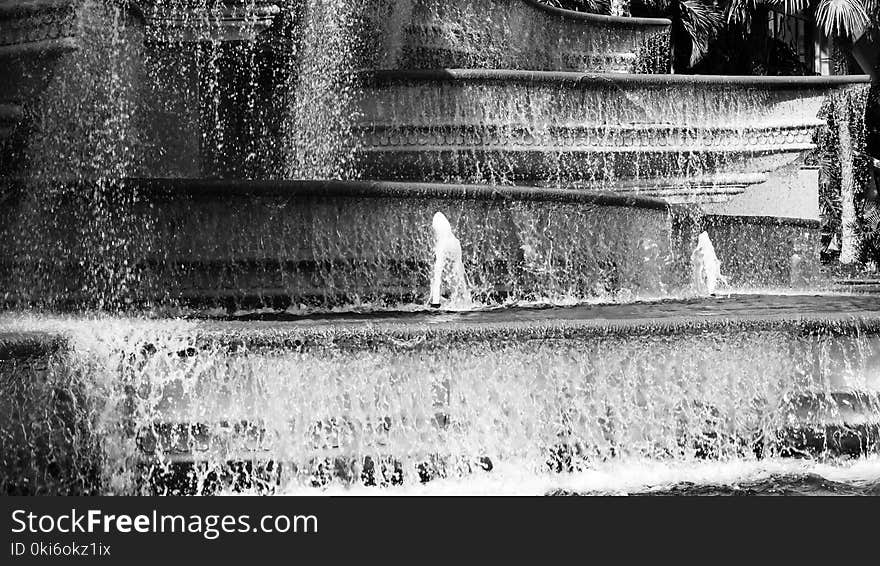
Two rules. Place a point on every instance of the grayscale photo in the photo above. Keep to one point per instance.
(349, 248)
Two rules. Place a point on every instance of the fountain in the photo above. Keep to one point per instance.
(706, 266)
(447, 254)
(219, 236)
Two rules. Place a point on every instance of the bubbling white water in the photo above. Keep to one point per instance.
(333, 403)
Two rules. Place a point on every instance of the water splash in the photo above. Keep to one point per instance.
(172, 401)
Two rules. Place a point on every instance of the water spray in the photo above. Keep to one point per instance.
(447, 259)
(706, 268)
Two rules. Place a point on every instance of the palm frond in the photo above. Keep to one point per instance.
(659, 5)
(844, 18)
(701, 21)
(740, 11)
(872, 7)
(789, 6)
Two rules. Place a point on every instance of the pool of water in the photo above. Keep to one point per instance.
(738, 305)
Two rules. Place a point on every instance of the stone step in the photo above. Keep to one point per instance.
(530, 126)
(745, 377)
(523, 34)
(169, 243)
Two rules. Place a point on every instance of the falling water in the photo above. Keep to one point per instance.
(266, 94)
(86, 138)
(321, 141)
(562, 131)
(161, 173)
(324, 404)
(845, 166)
(494, 34)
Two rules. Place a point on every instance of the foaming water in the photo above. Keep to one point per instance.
(173, 404)
(752, 477)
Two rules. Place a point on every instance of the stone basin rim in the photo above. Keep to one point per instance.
(598, 18)
(309, 334)
(170, 188)
(12, 9)
(383, 76)
(764, 220)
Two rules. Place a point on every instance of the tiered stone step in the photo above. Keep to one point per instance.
(543, 121)
(37, 37)
(519, 34)
(287, 245)
(34, 35)
(427, 393)
(603, 130)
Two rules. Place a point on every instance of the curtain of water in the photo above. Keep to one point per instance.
(72, 235)
(377, 252)
(612, 135)
(845, 168)
(212, 78)
(164, 89)
(329, 405)
(320, 138)
(200, 89)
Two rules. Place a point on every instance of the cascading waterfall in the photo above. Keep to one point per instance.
(321, 138)
(358, 404)
(845, 168)
(193, 96)
(86, 139)
(164, 166)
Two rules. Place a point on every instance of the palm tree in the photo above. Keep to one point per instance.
(843, 19)
(694, 24)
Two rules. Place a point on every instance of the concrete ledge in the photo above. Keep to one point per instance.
(799, 314)
(599, 18)
(763, 220)
(208, 188)
(570, 77)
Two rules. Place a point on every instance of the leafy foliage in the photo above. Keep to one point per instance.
(836, 18)
(695, 23)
